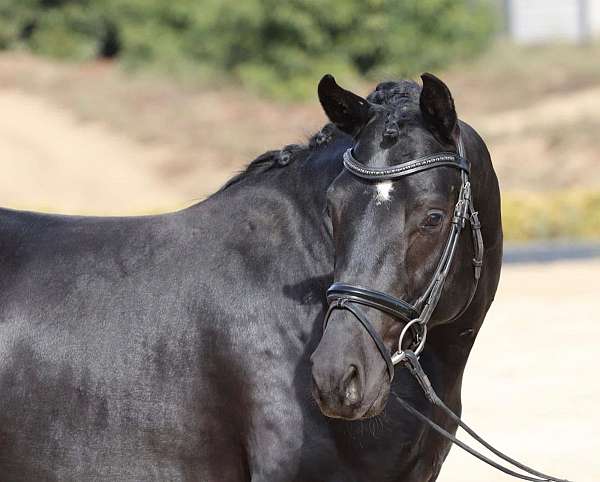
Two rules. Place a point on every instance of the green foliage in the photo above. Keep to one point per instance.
(278, 47)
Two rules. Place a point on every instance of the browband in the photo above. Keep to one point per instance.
(416, 165)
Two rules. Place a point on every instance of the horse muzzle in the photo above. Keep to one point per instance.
(345, 384)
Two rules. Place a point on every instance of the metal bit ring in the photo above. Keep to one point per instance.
(399, 355)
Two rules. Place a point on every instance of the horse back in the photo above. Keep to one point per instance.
(106, 370)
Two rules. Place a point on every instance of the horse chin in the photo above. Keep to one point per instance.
(378, 404)
(370, 410)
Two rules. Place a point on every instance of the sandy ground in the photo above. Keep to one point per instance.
(530, 145)
(531, 386)
(90, 139)
(53, 161)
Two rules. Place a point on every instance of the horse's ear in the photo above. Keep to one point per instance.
(437, 107)
(348, 111)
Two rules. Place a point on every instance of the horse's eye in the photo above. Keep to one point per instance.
(433, 219)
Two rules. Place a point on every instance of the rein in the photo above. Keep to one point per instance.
(411, 361)
(344, 296)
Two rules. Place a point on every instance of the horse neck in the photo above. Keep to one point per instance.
(285, 203)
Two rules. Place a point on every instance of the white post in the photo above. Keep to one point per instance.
(584, 30)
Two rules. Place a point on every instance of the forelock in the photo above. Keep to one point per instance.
(394, 94)
(401, 102)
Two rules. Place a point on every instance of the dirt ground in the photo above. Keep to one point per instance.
(91, 139)
(52, 161)
(531, 387)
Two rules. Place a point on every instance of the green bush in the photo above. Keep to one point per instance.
(278, 47)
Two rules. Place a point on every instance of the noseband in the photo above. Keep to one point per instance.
(344, 296)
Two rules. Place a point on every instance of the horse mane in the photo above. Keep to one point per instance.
(391, 94)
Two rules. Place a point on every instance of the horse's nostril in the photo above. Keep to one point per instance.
(351, 387)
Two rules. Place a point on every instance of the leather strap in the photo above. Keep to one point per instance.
(375, 299)
(359, 169)
(345, 304)
(411, 362)
(477, 241)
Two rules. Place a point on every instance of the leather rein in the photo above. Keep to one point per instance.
(344, 296)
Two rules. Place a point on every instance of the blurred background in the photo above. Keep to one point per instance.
(117, 107)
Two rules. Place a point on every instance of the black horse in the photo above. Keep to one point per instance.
(177, 347)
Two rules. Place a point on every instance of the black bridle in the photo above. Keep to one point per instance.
(344, 296)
